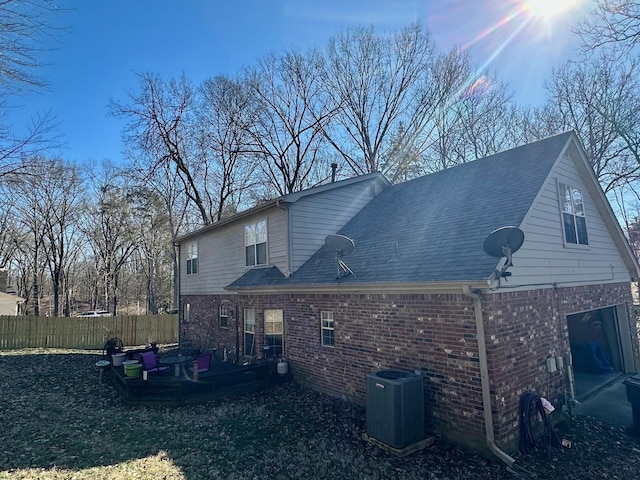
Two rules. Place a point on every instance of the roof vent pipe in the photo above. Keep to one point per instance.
(334, 166)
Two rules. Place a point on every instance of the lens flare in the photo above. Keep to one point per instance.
(550, 8)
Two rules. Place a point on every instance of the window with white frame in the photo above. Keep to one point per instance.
(224, 316)
(273, 333)
(327, 329)
(255, 243)
(186, 312)
(192, 258)
(249, 332)
(573, 217)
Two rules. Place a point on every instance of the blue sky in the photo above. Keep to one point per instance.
(107, 41)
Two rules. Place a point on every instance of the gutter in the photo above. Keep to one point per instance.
(484, 379)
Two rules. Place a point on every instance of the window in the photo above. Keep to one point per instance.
(186, 312)
(192, 258)
(328, 333)
(249, 332)
(224, 316)
(573, 217)
(273, 330)
(255, 243)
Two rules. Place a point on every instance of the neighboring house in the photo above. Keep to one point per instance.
(423, 294)
(9, 303)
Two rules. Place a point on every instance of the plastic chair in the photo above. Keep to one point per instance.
(150, 362)
(203, 361)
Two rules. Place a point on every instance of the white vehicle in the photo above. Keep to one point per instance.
(96, 313)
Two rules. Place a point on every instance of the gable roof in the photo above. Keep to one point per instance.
(432, 229)
(283, 200)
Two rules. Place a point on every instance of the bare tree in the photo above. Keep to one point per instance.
(598, 99)
(479, 121)
(175, 205)
(17, 151)
(9, 232)
(26, 29)
(111, 232)
(31, 210)
(290, 114)
(229, 163)
(154, 247)
(611, 22)
(61, 202)
(159, 123)
(387, 89)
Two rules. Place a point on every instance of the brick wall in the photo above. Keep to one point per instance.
(523, 329)
(433, 333)
(203, 326)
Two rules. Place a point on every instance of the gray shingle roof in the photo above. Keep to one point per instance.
(433, 228)
(259, 276)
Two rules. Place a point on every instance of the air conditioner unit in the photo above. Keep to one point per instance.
(395, 407)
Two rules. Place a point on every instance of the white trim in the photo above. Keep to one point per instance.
(332, 328)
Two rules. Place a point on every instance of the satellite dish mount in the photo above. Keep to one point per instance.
(504, 242)
(343, 247)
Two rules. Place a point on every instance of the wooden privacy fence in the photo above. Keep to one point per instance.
(86, 332)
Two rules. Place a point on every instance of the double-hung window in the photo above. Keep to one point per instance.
(224, 316)
(327, 329)
(573, 217)
(192, 258)
(249, 332)
(273, 332)
(255, 243)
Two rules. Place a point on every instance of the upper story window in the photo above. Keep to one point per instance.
(573, 217)
(255, 243)
(192, 258)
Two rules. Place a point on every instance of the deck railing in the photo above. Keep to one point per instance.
(85, 332)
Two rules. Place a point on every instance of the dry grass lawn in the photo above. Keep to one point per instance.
(57, 422)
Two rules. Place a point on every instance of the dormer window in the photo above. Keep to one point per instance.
(573, 218)
(255, 243)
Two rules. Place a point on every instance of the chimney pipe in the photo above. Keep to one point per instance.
(334, 166)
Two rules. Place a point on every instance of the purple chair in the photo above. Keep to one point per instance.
(203, 361)
(150, 362)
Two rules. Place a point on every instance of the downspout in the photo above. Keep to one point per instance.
(237, 334)
(176, 292)
(484, 379)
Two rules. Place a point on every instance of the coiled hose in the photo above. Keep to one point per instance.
(530, 403)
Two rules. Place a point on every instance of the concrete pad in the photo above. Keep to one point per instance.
(610, 405)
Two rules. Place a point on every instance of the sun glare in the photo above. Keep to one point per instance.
(550, 8)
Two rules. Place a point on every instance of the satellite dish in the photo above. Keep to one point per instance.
(341, 243)
(343, 246)
(497, 240)
(504, 242)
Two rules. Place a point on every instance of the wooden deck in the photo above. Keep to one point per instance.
(165, 389)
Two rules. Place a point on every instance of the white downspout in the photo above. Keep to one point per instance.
(484, 379)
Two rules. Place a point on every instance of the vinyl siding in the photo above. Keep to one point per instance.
(544, 259)
(221, 254)
(316, 216)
